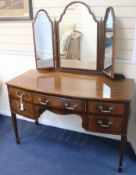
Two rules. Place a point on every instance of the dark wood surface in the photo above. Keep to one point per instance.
(58, 102)
(75, 85)
(102, 107)
(105, 124)
(28, 109)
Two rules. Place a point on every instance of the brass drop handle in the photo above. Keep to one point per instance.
(105, 109)
(104, 124)
(43, 101)
(20, 94)
(71, 108)
(21, 107)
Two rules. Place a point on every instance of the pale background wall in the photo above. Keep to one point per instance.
(17, 53)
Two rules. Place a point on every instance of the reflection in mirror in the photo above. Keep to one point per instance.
(109, 41)
(78, 38)
(42, 28)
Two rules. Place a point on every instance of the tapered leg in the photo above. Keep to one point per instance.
(122, 151)
(36, 122)
(14, 121)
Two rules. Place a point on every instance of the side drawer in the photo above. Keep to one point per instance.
(28, 109)
(16, 92)
(106, 108)
(59, 103)
(105, 124)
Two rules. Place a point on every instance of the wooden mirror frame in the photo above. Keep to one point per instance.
(53, 47)
(99, 37)
(113, 41)
(100, 43)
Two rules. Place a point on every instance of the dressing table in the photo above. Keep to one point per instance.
(89, 90)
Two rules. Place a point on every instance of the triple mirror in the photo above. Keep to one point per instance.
(76, 42)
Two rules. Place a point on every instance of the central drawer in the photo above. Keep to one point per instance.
(59, 103)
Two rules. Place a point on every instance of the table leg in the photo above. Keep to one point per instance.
(122, 151)
(14, 121)
(36, 122)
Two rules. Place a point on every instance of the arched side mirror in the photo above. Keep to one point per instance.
(43, 40)
(109, 42)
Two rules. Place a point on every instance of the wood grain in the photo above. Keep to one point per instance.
(75, 85)
(114, 128)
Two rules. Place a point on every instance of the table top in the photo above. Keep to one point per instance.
(97, 87)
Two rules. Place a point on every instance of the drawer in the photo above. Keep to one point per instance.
(16, 93)
(105, 124)
(59, 103)
(106, 108)
(27, 111)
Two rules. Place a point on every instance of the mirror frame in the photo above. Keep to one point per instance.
(113, 42)
(99, 61)
(100, 43)
(34, 40)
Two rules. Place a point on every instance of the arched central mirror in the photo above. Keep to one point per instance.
(43, 40)
(78, 37)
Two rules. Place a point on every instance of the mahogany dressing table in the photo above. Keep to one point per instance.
(103, 103)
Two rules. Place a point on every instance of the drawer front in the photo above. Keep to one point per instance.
(59, 103)
(106, 108)
(17, 93)
(105, 124)
(25, 110)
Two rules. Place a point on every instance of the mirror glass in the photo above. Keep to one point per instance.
(42, 28)
(108, 44)
(78, 38)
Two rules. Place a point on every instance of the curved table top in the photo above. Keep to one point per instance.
(97, 87)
